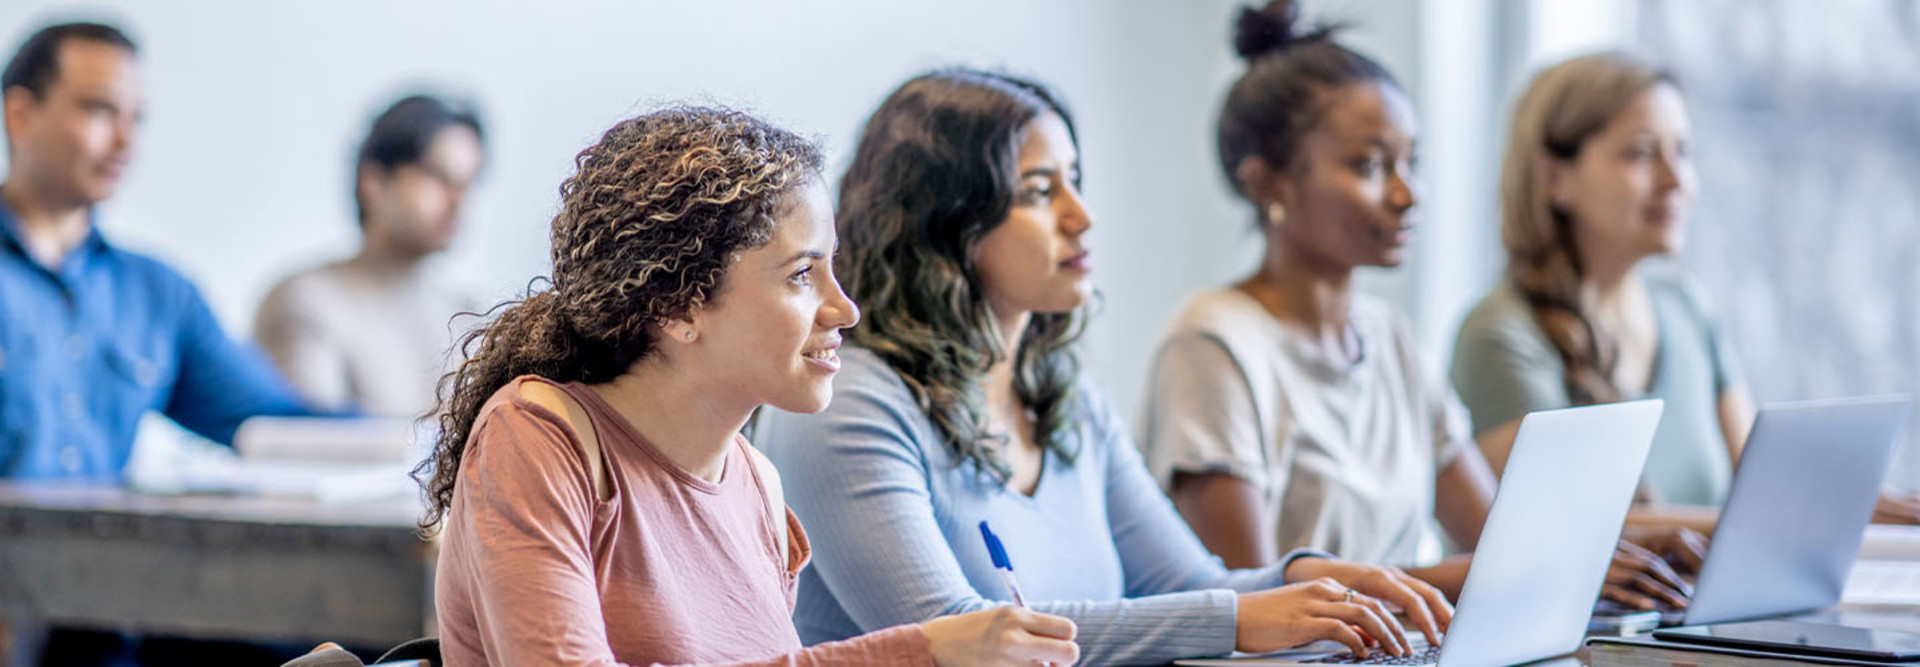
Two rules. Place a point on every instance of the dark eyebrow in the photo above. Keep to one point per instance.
(804, 254)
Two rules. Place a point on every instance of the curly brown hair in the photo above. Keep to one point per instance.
(648, 226)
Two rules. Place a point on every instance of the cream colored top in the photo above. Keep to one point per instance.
(1346, 453)
(358, 335)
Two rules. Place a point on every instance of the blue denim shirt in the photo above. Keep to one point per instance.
(87, 349)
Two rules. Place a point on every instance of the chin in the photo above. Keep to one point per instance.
(807, 402)
(1071, 298)
(1673, 243)
(99, 192)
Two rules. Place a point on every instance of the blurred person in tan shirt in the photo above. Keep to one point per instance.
(372, 332)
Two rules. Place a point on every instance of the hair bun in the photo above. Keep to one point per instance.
(1265, 30)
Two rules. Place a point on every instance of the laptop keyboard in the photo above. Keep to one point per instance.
(1428, 656)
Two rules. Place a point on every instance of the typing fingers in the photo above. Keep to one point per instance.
(1437, 605)
(1690, 550)
(1404, 592)
(1340, 631)
(1627, 597)
(1638, 559)
(1365, 613)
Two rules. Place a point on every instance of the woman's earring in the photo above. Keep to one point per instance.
(689, 335)
(1276, 214)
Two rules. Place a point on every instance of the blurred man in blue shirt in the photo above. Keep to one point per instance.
(94, 335)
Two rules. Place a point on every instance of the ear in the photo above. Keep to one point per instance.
(683, 329)
(18, 101)
(1261, 183)
(1251, 175)
(369, 181)
(1556, 178)
(677, 331)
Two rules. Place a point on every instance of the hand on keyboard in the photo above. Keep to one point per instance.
(1425, 606)
(1295, 614)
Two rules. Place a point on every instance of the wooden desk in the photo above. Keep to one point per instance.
(213, 566)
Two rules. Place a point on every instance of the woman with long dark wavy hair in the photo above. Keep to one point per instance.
(599, 505)
(961, 402)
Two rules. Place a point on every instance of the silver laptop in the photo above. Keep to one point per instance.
(1801, 499)
(1546, 547)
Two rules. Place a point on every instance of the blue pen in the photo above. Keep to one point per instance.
(999, 554)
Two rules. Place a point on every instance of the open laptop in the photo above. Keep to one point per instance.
(1801, 498)
(1546, 547)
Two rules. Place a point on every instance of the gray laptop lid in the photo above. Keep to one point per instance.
(1550, 537)
(1801, 499)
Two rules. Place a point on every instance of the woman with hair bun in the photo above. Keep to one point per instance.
(599, 504)
(1288, 410)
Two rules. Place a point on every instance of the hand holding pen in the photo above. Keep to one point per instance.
(998, 552)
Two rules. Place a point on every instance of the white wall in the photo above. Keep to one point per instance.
(255, 108)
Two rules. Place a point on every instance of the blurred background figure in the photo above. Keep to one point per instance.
(95, 336)
(371, 332)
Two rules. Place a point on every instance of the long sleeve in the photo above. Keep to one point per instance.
(858, 477)
(903, 645)
(220, 382)
(1160, 552)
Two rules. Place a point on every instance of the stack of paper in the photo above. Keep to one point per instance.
(325, 459)
(1888, 570)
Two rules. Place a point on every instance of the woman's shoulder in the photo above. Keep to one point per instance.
(532, 409)
(1216, 311)
(538, 398)
(1502, 316)
(532, 426)
(1224, 318)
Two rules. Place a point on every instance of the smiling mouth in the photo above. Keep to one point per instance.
(823, 354)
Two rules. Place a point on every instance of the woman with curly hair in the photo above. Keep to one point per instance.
(599, 504)
(961, 401)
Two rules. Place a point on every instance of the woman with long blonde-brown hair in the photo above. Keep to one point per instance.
(1596, 179)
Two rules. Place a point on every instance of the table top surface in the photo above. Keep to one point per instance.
(92, 497)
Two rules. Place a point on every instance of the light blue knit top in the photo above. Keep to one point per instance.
(893, 517)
